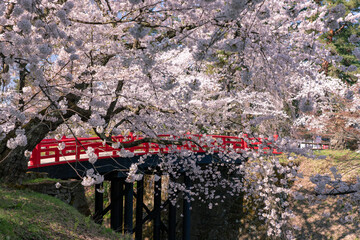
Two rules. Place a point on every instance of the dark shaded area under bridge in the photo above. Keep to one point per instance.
(117, 166)
(184, 222)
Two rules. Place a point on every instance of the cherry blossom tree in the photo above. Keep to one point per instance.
(107, 67)
(334, 115)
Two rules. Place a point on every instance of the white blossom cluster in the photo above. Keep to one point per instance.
(19, 140)
(92, 178)
(125, 153)
(91, 155)
(133, 174)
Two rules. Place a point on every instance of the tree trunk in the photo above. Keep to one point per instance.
(13, 166)
(13, 163)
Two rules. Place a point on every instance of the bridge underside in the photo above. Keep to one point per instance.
(115, 167)
(123, 198)
(124, 195)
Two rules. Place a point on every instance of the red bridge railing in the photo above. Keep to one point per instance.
(48, 152)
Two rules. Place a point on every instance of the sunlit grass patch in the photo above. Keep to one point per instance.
(347, 162)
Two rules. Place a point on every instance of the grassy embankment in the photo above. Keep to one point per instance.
(333, 217)
(29, 215)
(347, 163)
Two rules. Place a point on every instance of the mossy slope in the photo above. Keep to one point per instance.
(29, 215)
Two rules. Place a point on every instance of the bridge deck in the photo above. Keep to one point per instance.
(57, 156)
(45, 160)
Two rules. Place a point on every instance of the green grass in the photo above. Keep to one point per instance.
(347, 162)
(340, 155)
(29, 215)
(283, 159)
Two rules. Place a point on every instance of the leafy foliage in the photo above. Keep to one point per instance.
(342, 41)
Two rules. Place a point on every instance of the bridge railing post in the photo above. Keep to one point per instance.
(77, 151)
(37, 155)
(57, 154)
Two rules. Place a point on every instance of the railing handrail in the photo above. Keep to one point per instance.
(48, 148)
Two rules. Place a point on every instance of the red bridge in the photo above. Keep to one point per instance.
(67, 150)
(67, 158)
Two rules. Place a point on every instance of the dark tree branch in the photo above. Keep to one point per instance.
(337, 193)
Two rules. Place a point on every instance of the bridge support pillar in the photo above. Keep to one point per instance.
(157, 210)
(172, 221)
(99, 206)
(139, 209)
(128, 216)
(186, 210)
(117, 195)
